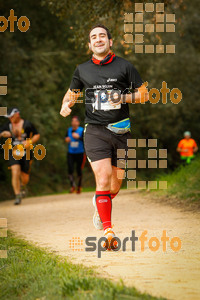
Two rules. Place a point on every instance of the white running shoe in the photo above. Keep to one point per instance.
(111, 243)
(96, 218)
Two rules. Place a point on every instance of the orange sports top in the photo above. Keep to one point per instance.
(187, 144)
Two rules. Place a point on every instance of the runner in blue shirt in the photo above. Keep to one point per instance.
(75, 155)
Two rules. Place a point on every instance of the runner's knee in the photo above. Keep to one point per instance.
(15, 170)
(103, 182)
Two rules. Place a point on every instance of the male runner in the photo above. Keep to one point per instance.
(107, 128)
(187, 147)
(23, 133)
(75, 155)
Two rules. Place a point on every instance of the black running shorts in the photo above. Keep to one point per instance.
(23, 162)
(100, 143)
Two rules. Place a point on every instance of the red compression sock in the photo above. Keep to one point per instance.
(104, 206)
(113, 195)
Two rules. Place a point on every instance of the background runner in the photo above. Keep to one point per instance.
(75, 155)
(187, 147)
(19, 130)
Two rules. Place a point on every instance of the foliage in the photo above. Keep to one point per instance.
(39, 65)
(183, 183)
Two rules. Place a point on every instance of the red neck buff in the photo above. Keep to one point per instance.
(107, 60)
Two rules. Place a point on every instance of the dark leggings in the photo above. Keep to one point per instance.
(73, 159)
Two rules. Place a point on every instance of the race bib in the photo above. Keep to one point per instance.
(101, 101)
(74, 144)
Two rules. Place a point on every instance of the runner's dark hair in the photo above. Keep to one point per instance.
(76, 117)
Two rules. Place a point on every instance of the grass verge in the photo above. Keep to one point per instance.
(32, 273)
(183, 183)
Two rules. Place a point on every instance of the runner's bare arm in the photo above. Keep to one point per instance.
(68, 101)
(5, 134)
(195, 149)
(31, 141)
(35, 138)
(181, 150)
(140, 96)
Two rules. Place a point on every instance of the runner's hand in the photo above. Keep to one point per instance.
(75, 135)
(65, 109)
(27, 143)
(67, 139)
(115, 99)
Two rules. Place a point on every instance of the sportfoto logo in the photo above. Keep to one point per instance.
(149, 18)
(162, 95)
(23, 22)
(18, 151)
(127, 161)
(3, 234)
(3, 92)
(100, 245)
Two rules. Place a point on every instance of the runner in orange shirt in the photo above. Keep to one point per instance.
(187, 147)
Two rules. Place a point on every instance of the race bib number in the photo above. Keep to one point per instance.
(74, 144)
(101, 101)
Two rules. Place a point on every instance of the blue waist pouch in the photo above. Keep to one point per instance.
(120, 127)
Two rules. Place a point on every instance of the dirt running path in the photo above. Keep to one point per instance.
(52, 221)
